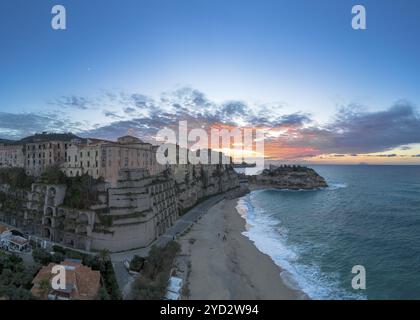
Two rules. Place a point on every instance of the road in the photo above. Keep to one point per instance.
(124, 279)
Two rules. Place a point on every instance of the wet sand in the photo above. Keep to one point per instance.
(225, 264)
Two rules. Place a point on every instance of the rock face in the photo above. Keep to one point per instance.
(289, 177)
(132, 214)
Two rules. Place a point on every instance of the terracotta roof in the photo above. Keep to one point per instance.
(3, 228)
(82, 283)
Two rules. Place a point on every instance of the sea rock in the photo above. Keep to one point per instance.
(289, 177)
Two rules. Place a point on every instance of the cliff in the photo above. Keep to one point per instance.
(289, 177)
(195, 183)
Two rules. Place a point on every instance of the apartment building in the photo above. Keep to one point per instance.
(102, 158)
(46, 150)
(11, 156)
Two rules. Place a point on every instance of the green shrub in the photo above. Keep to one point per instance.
(41, 256)
(152, 284)
(16, 178)
(137, 263)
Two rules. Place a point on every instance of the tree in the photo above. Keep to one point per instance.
(103, 259)
(137, 263)
(42, 256)
(102, 294)
(44, 288)
(53, 175)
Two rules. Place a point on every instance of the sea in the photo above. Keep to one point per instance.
(368, 217)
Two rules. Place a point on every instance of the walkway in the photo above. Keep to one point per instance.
(124, 279)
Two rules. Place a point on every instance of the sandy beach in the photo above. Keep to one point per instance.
(225, 264)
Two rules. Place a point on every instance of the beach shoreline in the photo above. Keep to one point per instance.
(226, 265)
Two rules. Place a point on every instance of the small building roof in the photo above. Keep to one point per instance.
(3, 228)
(82, 283)
(18, 240)
(175, 285)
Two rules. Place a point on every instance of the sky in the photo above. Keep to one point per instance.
(326, 92)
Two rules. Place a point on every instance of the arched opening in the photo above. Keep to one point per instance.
(47, 233)
(49, 212)
(48, 222)
(51, 196)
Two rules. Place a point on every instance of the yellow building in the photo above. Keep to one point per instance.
(102, 158)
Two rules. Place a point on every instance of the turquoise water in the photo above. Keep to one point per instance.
(369, 216)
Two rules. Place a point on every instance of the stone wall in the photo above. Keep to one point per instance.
(130, 215)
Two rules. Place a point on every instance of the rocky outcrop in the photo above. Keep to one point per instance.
(195, 183)
(288, 177)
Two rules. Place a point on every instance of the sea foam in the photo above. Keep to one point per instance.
(270, 237)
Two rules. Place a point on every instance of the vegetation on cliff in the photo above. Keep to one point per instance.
(153, 282)
(16, 178)
(289, 177)
(82, 191)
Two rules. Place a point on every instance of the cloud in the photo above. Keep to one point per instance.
(111, 114)
(405, 148)
(76, 102)
(392, 155)
(352, 131)
(16, 126)
(356, 131)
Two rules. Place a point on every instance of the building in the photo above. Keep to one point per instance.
(40, 155)
(12, 240)
(5, 233)
(77, 156)
(46, 150)
(102, 158)
(16, 243)
(82, 283)
(12, 156)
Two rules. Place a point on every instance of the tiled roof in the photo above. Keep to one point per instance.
(3, 228)
(82, 283)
